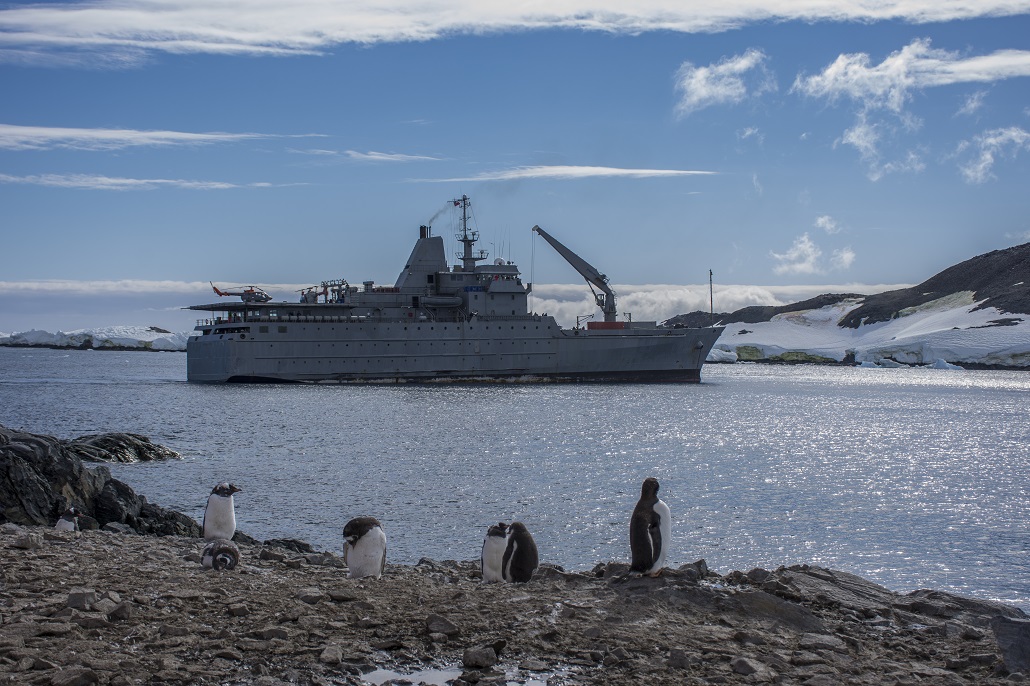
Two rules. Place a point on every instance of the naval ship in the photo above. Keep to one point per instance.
(437, 323)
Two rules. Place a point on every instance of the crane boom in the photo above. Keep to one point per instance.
(606, 299)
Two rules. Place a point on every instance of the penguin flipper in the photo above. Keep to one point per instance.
(655, 532)
(382, 564)
(641, 558)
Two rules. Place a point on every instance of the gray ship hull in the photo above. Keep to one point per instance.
(510, 349)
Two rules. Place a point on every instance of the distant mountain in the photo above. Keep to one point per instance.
(972, 314)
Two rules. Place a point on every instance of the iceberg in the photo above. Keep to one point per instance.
(103, 338)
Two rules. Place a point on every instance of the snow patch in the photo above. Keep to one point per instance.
(110, 337)
(947, 331)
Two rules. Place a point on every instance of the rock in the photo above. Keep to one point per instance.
(532, 665)
(119, 447)
(479, 657)
(822, 642)
(1013, 636)
(30, 541)
(438, 624)
(745, 666)
(75, 676)
(238, 610)
(331, 655)
(41, 476)
(82, 598)
(311, 596)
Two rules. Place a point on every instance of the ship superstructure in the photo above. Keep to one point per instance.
(466, 322)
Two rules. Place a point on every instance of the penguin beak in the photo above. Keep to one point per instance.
(233, 488)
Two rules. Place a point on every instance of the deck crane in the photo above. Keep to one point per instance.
(248, 294)
(606, 299)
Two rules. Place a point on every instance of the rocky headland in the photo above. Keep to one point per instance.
(120, 605)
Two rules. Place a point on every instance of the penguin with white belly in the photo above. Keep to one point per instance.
(520, 555)
(69, 521)
(220, 514)
(364, 548)
(650, 531)
(492, 556)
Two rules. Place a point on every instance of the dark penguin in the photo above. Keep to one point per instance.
(492, 557)
(520, 557)
(364, 548)
(220, 514)
(220, 554)
(650, 530)
(69, 521)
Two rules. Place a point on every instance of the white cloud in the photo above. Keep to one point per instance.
(751, 132)
(802, 257)
(387, 157)
(727, 82)
(110, 183)
(14, 137)
(843, 258)
(973, 104)
(889, 85)
(571, 172)
(827, 224)
(757, 184)
(989, 146)
(125, 31)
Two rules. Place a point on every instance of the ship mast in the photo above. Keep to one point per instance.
(468, 238)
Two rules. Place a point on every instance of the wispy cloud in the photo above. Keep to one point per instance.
(888, 87)
(990, 145)
(827, 224)
(842, 258)
(727, 82)
(111, 183)
(973, 104)
(126, 31)
(571, 172)
(388, 157)
(13, 137)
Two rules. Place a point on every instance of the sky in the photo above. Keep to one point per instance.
(791, 147)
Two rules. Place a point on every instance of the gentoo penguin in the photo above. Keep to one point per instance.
(364, 548)
(220, 515)
(492, 557)
(220, 554)
(69, 521)
(520, 557)
(650, 531)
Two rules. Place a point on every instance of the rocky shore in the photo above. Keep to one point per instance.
(115, 606)
(102, 607)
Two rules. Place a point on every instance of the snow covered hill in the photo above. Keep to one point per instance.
(947, 331)
(104, 338)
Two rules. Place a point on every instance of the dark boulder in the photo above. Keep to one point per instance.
(42, 476)
(119, 447)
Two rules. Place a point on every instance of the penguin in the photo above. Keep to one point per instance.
(520, 556)
(364, 548)
(492, 557)
(650, 531)
(220, 555)
(220, 514)
(69, 521)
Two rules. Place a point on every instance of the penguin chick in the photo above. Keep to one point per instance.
(650, 531)
(520, 556)
(492, 557)
(220, 555)
(364, 548)
(69, 521)
(220, 514)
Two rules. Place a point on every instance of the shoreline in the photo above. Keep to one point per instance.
(121, 608)
(966, 366)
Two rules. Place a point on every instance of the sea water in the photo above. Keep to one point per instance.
(915, 478)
